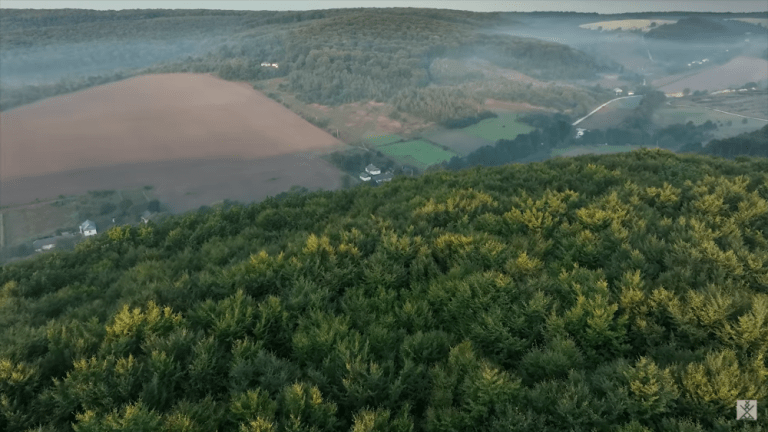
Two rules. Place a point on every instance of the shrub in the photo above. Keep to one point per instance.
(153, 206)
(107, 208)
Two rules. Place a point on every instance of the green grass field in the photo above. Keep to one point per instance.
(418, 152)
(505, 126)
(666, 116)
(381, 140)
(593, 149)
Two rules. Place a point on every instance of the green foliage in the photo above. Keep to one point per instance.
(107, 208)
(619, 292)
(747, 144)
(327, 57)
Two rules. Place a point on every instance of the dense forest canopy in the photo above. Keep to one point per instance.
(614, 293)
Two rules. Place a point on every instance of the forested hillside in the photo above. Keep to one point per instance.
(327, 57)
(611, 293)
(698, 28)
(747, 144)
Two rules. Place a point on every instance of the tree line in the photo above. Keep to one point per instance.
(555, 131)
(752, 144)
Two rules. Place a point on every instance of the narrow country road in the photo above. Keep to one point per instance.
(601, 107)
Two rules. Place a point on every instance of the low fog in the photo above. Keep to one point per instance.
(48, 64)
(641, 57)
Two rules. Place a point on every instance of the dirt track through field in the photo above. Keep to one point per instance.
(151, 118)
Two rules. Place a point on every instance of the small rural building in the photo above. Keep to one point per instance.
(44, 244)
(88, 228)
(387, 176)
(372, 170)
(365, 177)
(618, 91)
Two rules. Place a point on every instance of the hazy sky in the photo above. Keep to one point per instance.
(599, 6)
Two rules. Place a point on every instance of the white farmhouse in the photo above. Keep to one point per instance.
(88, 228)
(618, 91)
(365, 177)
(372, 170)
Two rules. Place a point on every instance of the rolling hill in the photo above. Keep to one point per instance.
(327, 57)
(698, 28)
(624, 292)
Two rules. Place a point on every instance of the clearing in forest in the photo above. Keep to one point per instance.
(380, 140)
(593, 149)
(458, 141)
(419, 153)
(505, 126)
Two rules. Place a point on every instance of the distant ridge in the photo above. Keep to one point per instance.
(701, 28)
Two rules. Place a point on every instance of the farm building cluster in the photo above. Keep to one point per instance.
(373, 173)
(87, 229)
(619, 92)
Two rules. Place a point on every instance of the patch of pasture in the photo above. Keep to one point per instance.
(593, 149)
(420, 153)
(505, 126)
(458, 141)
(669, 115)
(381, 140)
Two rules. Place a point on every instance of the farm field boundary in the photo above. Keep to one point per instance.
(382, 140)
(458, 141)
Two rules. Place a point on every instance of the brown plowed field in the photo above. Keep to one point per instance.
(184, 185)
(151, 118)
(736, 72)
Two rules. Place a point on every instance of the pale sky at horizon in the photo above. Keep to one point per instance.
(599, 6)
